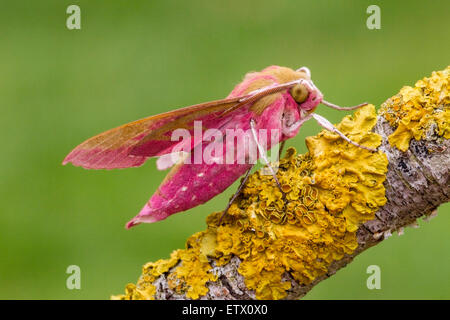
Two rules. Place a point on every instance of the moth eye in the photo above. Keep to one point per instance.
(299, 93)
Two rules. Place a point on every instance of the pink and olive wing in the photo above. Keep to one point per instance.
(113, 148)
(131, 144)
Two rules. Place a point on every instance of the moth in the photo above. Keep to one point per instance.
(277, 99)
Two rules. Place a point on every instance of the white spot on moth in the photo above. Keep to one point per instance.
(184, 188)
(201, 174)
(194, 197)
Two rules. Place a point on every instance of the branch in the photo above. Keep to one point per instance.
(340, 200)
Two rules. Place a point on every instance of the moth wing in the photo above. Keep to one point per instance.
(113, 148)
(131, 144)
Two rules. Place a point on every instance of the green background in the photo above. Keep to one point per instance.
(133, 59)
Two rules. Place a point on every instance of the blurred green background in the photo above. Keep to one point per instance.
(133, 59)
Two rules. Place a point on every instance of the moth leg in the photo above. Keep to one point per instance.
(303, 118)
(236, 193)
(262, 152)
(281, 148)
(324, 123)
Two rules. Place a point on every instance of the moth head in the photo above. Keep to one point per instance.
(307, 95)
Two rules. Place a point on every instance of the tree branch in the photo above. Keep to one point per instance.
(414, 129)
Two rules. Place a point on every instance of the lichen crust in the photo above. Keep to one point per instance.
(416, 110)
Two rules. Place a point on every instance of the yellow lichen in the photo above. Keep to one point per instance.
(194, 271)
(414, 110)
(191, 273)
(329, 193)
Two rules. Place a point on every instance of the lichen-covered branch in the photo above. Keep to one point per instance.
(339, 200)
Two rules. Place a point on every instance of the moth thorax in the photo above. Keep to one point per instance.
(299, 93)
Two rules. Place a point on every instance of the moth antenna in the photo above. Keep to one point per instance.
(305, 70)
(331, 105)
